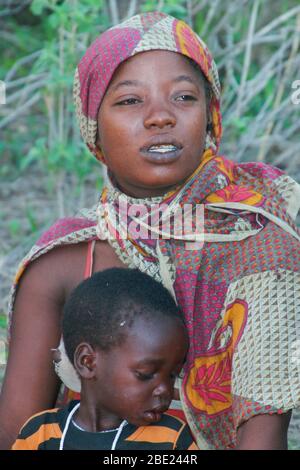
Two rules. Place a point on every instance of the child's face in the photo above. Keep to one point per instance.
(135, 381)
(154, 98)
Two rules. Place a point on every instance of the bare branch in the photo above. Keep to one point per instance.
(14, 10)
(214, 5)
(24, 80)
(21, 62)
(52, 128)
(60, 194)
(160, 5)
(265, 74)
(281, 19)
(10, 37)
(24, 92)
(61, 99)
(114, 12)
(294, 49)
(189, 12)
(131, 8)
(290, 151)
(7, 120)
(199, 6)
(247, 57)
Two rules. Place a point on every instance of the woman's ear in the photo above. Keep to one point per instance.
(98, 150)
(85, 361)
(99, 154)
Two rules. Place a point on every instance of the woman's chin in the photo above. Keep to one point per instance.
(152, 187)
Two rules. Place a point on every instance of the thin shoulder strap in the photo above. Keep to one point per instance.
(88, 270)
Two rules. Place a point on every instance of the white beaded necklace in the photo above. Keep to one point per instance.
(117, 436)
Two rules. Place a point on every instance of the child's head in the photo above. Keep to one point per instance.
(126, 338)
(147, 98)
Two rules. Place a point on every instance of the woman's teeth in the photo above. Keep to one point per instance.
(162, 148)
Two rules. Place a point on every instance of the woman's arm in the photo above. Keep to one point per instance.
(30, 383)
(264, 432)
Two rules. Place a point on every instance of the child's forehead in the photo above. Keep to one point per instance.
(155, 331)
(160, 342)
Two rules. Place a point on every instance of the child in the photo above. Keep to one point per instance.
(126, 338)
(147, 96)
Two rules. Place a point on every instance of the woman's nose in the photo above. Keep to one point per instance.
(159, 115)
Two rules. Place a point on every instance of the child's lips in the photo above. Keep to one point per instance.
(153, 416)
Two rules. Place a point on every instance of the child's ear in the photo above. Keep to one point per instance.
(85, 361)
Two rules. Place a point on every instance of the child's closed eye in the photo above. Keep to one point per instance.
(143, 376)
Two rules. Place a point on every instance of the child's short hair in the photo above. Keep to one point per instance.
(100, 307)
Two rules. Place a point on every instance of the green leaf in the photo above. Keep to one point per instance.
(3, 321)
(54, 21)
(31, 156)
(14, 227)
(175, 10)
(240, 123)
(37, 6)
(32, 220)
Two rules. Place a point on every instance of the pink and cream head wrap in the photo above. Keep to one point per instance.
(141, 33)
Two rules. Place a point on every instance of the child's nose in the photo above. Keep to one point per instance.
(164, 390)
(159, 115)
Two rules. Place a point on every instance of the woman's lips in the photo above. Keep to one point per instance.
(163, 157)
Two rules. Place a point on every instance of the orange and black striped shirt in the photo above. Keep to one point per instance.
(44, 431)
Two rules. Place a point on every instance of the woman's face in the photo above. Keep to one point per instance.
(152, 123)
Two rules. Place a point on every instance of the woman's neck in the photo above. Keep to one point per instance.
(137, 192)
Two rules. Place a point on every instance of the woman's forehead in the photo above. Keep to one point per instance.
(173, 65)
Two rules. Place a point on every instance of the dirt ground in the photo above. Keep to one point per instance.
(29, 207)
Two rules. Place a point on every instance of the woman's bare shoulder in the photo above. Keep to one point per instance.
(55, 273)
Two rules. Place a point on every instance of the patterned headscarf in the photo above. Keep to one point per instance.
(146, 32)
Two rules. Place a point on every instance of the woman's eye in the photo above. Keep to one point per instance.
(144, 377)
(128, 101)
(186, 98)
